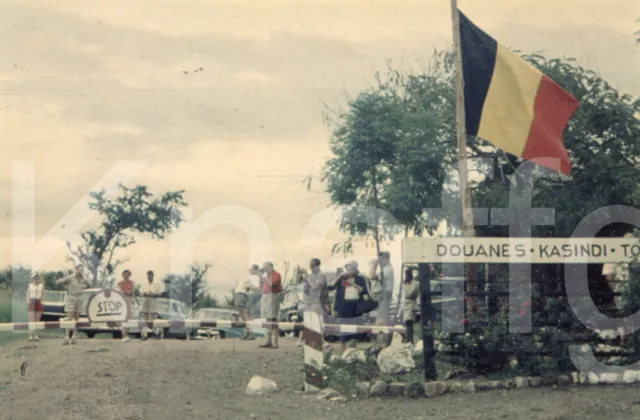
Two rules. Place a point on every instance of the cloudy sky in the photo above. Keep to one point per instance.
(95, 92)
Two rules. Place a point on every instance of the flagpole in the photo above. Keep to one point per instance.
(465, 196)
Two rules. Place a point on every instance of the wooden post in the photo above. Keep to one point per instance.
(427, 321)
(313, 350)
(465, 197)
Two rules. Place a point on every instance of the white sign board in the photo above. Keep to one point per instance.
(520, 250)
(108, 306)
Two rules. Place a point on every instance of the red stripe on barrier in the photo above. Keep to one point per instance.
(312, 376)
(313, 339)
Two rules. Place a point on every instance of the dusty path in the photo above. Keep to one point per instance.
(171, 379)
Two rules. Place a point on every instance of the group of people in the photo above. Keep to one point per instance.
(149, 291)
(75, 285)
(356, 294)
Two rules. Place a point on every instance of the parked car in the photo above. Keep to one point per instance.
(53, 305)
(169, 309)
(290, 308)
(220, 314)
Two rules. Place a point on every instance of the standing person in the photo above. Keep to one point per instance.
(127, 287)
(255, 295)
(35, 293)
(76, 284)
(350, 288)
(241, 298)
(270, 302)
(149, 292)
(313, 284)
(411, 294)
(386, 280)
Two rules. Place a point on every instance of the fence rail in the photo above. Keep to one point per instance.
(194, 324)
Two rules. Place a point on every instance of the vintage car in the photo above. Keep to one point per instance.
(170, 309)
(291, 308)
(53, 305)
(220, 314)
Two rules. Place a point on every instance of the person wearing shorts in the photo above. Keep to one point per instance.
(35, 293)
(270, 303)
(75, 285)
(150, 291)
(241, 297)
(127, 288)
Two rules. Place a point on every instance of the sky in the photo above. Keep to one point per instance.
(111, 92)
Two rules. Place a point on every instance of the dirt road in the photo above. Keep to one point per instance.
(169, 379)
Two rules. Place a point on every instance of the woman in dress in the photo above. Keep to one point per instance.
(350, 288)
(35, 293)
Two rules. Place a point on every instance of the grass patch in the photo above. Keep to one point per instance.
(12, 310)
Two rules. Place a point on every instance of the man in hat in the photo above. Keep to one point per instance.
(241, 297)
(75, 284)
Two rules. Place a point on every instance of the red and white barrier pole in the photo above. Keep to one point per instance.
(165, 323)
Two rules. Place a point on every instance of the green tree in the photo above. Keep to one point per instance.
(134, 211)
(603, 143)
(391, 149)
(190, 288)
(16, 279)
(413, 119)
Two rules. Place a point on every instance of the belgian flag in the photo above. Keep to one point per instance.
(510, 103)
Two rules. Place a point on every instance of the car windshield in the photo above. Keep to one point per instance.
(213, 314)
(294, 294)
(178, 309)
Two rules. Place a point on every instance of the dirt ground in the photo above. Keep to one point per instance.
(169, 379)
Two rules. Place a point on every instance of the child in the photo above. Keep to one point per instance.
(35, 293)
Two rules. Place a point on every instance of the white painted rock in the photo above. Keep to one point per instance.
(610, 378)
(631, 376)
(260, 386)
(328, 394)
(419, 347)
(397, 358)
(593, 378)
(522, 382)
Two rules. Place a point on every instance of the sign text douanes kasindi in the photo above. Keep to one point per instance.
(520, 250)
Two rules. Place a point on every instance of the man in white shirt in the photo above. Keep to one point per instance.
(150, 291)
(241, 297)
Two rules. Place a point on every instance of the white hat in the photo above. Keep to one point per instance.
(354, 264)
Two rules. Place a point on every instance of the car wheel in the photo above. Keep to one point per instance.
(90, 334)
(117, 334)
(221, 334)
(282, 333)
